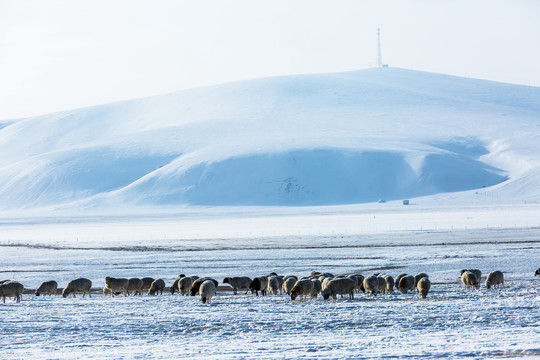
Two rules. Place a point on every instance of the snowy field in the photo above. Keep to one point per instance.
(451, 323)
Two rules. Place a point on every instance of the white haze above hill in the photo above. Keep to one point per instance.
(322, 139)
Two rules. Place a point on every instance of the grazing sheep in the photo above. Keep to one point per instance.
(382, 284)
(238, 283)
(476, 273)
(185, 284)
(397, 279)
(47, 288)
(537, 272)
(197, 284)
(146, 283)
(406, 283)
(359, 282)
(423, 286)
(302, 288)
(317, 287)
(115, 285)
(158, 285)
(207, 290)
(174, 286)
(469, 280)
(339, 286)
(78, 286)
(495, 278)
(273, 285)
(260, 283)
(419, 276)
(288, 284)
(389, 283)
(11, 289)
(371, 285)
(135, 285)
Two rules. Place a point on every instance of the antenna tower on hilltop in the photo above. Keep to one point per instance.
(379, 55)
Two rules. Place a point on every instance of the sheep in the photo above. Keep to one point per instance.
(397, 279)
(339, 286)
(238, 283)
(382, 284)
(302, 288)
(317, 287)
(469, 280)
(476, 273)
(4, 281)
(371, 285)
(80, 285)
(419, 276)
(359, 282)
(146, 283)
(495, 278)
(537, 272)
(174, 286)
(272, 286)
(423, 286)
(12, 289)
(207, 290)
(157, 286)
(115, 285)
(288, 284)
(260, 283)
(135, 285)
(47, 288)
(406, 283)
(184, 285)
(389, 283)
(197, 284)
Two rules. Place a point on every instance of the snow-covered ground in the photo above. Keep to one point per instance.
(451, 323)
(288, 174)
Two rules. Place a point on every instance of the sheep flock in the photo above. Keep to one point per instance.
(325, 284)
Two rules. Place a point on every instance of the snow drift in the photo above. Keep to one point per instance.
(298, 140)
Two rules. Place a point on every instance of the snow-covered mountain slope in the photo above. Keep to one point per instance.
(297, 140)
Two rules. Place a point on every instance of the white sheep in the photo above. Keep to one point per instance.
(423, 286)
(406, 283)
(303, 289)
(371, 285)
(207, 290)
(115, 285)
(185, 284)
(47, 288)
(389, 283)
(495, 278)
(273, 285)
(289, 283)
(238, 283)
(317, 287)
(11, 289)
(476, 273)
(339, 286)
(469, 280)
(78, 286)
(157, 286)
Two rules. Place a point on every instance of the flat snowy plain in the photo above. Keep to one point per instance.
(389, 238)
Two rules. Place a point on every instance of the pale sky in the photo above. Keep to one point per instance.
(59, 55)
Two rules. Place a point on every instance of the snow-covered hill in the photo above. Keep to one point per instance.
(298, 140)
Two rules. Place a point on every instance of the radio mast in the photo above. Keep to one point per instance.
(379, 55)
